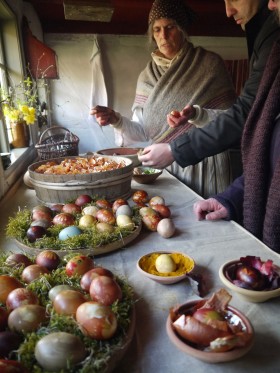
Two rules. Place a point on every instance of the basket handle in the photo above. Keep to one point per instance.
(57, 130)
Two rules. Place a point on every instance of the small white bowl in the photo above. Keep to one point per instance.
(208, 356)
(165, 280)
(254, 296)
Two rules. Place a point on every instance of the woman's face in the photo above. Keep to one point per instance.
(168, 37)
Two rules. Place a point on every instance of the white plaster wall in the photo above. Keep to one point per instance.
(123, 58)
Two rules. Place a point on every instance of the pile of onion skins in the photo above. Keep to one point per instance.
(205, 325)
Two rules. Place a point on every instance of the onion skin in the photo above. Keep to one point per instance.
(197, 332)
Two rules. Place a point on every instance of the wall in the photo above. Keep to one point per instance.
(123, 58)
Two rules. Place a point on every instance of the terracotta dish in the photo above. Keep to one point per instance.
(208, 356)
(145, 175)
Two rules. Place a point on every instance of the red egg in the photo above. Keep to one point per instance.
(91, 274)
(12, 366)
(35, 232)
(17, 260)
(66, 302)
(3, 319)
(83, 199)
(163, 210)
(105, 216)
(96, 321)
(140, 197)
(33, 272)
(56, 208)
(79, 265)
(71, 208)
(103, 204)
(64, 219)
(27, 318)
(151, 221)
(105, 290)
(20, 297)
(48, 259)
(42, 215)
(9, 341)
(117, 203)
(7, 284)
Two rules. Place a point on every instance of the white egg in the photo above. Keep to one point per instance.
(124, 221)
(124, 210)
(166, 228)
(164, 263)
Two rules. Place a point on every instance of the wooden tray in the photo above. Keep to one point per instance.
(101, 250)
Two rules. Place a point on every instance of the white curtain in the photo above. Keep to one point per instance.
(101, 135)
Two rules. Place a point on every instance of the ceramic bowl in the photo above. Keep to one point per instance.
(165, 280)
(254, 296)
(131, 153)
(146, 175)
(207, 356)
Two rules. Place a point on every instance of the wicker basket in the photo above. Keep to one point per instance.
(57, 142)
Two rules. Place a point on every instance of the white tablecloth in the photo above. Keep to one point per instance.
(210, 244)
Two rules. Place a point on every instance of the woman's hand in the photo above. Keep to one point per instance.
(210, 209)
(176, 118)
(157, 155)
(104, 115)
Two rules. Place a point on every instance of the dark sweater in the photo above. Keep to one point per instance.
(226, 130)
(254, 198)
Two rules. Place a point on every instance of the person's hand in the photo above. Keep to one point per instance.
(157, 155)
(104, 115)
(210, 209)
(176, 118)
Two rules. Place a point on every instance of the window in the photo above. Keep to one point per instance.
(11, 70)
(11, 73)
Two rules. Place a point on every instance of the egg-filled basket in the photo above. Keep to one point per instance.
(61, 188)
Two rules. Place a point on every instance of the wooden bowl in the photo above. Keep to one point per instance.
(161, 279)
(131, 153)
(208, 356)
(254, 296)
(145, 175)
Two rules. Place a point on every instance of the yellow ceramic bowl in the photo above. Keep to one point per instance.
(254, 296)
(207, 356)
(161, 278)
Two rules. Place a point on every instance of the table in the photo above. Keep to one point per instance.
(210, 244)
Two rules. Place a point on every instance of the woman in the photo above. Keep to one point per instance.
(178, 74)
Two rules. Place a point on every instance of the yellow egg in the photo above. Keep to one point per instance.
(164, 264)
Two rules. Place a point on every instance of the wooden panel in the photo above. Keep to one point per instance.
(130, 18)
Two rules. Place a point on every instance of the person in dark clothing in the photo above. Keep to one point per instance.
(225, 131)
(254, 198)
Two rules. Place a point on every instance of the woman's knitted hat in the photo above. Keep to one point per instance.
(173, 9)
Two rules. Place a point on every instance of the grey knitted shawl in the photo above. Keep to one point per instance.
(196, 77)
